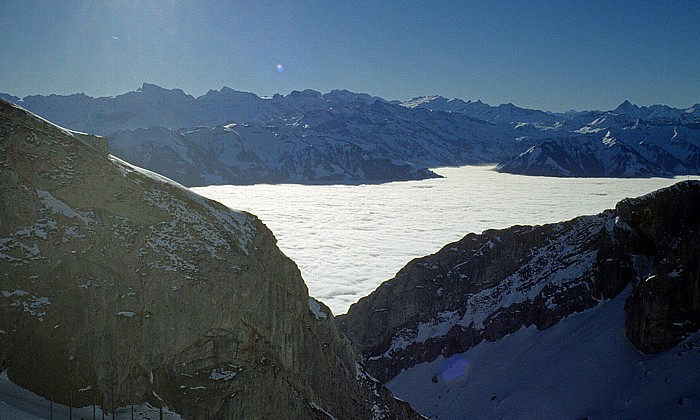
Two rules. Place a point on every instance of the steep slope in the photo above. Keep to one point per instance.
(582, 367)
(586, 156)
(487, 286)
(120, 286)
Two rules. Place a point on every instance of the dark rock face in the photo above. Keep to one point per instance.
(120, 283)
(489, 285)
(665, 306)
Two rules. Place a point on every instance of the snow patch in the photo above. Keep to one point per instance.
(59, 207)
(315, 309)
(318, 408)
(222, 374)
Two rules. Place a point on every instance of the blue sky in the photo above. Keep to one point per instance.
(552, 55)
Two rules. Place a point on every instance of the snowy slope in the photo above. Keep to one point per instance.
(586, 156)
(582, 367)
(330, 142)
(18, 403)
(618, 144)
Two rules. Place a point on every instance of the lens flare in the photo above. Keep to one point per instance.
(280, 68)
(455, 370)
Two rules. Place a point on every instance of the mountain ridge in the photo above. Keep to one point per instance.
(357, 137)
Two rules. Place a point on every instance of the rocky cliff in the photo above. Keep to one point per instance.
(486, 286)
(120, 286)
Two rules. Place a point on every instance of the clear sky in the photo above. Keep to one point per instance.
(551, 55)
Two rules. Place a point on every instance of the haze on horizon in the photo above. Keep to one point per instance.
(550, 56)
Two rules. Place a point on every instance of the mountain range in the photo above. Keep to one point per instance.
(120, 286)
(232, 137)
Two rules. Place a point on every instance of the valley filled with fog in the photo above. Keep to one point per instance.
(347, 239)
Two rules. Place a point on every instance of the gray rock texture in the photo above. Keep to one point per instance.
(489, 285)
(120, 286)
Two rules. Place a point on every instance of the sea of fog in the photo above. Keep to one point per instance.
(347, 239)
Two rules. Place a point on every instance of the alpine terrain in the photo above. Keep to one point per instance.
(595, 316)
(232, 137)
(122, 287)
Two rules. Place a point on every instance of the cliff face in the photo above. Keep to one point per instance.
(489, 285)
(665, 306)
(119, 286)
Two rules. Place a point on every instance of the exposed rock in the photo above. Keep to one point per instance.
(120, 286)
(489, 285)
(665, 306)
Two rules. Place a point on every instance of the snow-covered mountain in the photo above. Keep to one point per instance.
(627, 142)
(439, 310)
(236, 137)
(504, 113)
(247, 154)
(341, 136)
(659, 113)
(119, 286)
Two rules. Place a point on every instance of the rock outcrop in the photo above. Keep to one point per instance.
(120, 286)
(665, 306)
(489, 285)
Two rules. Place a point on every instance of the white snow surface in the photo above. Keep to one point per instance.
(18, 403)
(347, 239)
(584, 366)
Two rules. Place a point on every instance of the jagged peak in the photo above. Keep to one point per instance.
(345, 95)
(310, 93)
(150, 87)
(153, 89)
(227, 91)
(626, 106)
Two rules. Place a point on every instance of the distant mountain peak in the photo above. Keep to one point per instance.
(149, 87)
(625, 107)
(305, 93)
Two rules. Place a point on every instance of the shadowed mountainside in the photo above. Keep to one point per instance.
(120, 286)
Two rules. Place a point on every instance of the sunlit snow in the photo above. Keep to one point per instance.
(347, 239)
(582, 367)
